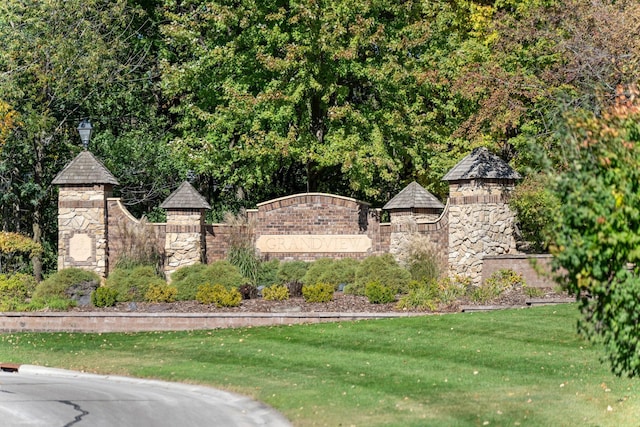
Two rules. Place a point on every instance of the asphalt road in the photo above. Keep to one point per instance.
(36, 396)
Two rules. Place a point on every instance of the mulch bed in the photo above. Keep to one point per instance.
(342, 303)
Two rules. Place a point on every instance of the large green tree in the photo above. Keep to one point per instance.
(61, 61)
(598, 236)
(342, 96)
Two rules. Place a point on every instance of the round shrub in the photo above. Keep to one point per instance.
(275, 293)
(268, 273)
(161, 292)
(133, 284)
(14, 290)
(382, 268)
(377, 293)
(188, 279)
(292, 271)
(218, 295)
(320, 292)
(72, 283)
(104, 297)
(335, 272)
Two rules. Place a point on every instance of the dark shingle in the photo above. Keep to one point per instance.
(185, 197)
(481, 164)
(414, 196)
(84, 169)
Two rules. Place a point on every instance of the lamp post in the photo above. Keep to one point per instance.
(84, 129)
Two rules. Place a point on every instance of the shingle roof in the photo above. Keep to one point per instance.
(185, 197)
(84, 169)
(414, 196)
(481, 164)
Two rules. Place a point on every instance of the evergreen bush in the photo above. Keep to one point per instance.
(292, 271)
(377, 293)
(66, 282)
(104, 297)
(132, 284)
(381, 268)
(188, 279)
(219, 295)
(275, 293)
(320, 292)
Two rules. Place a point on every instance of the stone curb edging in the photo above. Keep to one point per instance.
(146, 322)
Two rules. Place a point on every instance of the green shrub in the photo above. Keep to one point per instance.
(219, 295)
(451, 289)
(104, 297)
(533, 292)
(419, 299)
(292, 271)
(161, 292)
(275, 293)
(133, 284)
(496, 285)
(66, 282)
(188, 279)
(247, 262)
(335, 272)
(424, 261)
(268, 273)
(382, 268)
(320, 292)
(377, 293)
(16, 286)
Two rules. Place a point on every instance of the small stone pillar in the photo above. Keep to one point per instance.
(185, 238)
(411, 205)
(480, 220)
(84, 186)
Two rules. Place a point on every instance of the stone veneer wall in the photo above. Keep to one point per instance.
(434, 227)
(481, 224)
(82, 227)
(184, 239)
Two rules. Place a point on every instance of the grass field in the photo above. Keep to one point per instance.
(502, 368)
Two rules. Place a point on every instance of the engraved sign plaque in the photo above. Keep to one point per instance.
(313, 243)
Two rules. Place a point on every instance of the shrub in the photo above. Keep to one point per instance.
(275, 293)
(160, 292)
(219, 295)
(188, 279)
(421, 298)
(292, 271)
(248, 291)
(295, 289)
(377, 293)
(16, 286)
(451, 289)
(241, 250)
(384, 269)
(422, 259)
(268, 273)
(133, 284)
(335, 272)
(68, 283)
(139, 245)
(320, 292)
(495, 285)
(104, 297)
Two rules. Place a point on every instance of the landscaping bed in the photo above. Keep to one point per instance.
(342, 303)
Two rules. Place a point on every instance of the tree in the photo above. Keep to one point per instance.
(598, 238)
(340, 96)
(61, 61)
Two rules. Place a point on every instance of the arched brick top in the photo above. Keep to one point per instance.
(311, 213)
(306, 199)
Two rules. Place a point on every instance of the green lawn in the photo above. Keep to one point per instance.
(504, 368)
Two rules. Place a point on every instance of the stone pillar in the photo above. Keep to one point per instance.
(82, 227)
(184, 242)
(480, 224)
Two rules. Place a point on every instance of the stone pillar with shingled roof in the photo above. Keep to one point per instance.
(184, 241)
(413, 205)
(84, 186)
(480, 221)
